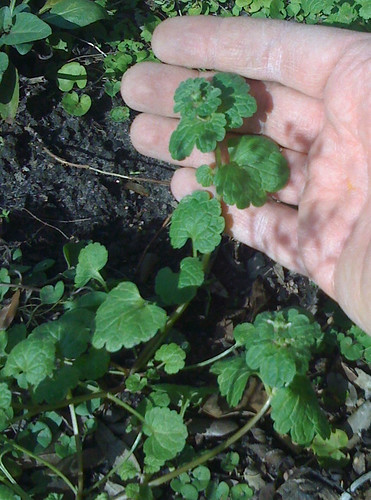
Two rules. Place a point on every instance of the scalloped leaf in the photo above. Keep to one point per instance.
(295, 409)
(233, 375)
(125, 319)
(197, 217)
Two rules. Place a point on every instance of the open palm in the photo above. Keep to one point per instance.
(313, 89)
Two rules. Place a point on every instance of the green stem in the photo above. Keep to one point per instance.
(114, 469)
(124, 405)
(17, 489)
(76, 433)
(41, 461)
(218, 156)
(213, 452)
(211, 360)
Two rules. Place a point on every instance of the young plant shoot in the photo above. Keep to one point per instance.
(208, 110)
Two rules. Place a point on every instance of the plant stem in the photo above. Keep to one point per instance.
(114, 469)
(211, 360)
(215, 451)
(76, 433)
(17, 489)
(124, 405)
(50, 466)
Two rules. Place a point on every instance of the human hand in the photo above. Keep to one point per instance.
(313, 89)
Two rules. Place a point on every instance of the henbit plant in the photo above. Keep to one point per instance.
(64, 362)
(210, 109)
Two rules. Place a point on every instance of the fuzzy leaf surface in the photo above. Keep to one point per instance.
(205, 175)
(91, 260)
(125, 319)
(197, 217)
(239, 186)
(203, 133)
(279, 345)
(191, 272)
(166, 435)
(232, 378)
(173, 356)
(237, 103)
(32, 359)
(295, 409)
(266, 169)
(196, 97)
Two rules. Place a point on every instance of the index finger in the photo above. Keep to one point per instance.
(296, 55)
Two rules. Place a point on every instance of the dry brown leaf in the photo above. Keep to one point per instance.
(7, 313)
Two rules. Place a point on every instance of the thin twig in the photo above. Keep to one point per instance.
(46, 224)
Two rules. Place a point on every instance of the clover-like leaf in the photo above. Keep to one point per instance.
(167, 434)
(172, 356)
(50, 294)
(76, 105)
(125, 319)
(204, 133)
(237, 103)
(355, 344)
(295, 409)
(92, 259)
(32, 359)
(233, 375)
(197, 217)
(196, 97)
(69, 74)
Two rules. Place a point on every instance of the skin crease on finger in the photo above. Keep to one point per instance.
(329, 239)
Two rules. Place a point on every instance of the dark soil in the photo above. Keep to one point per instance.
(51, 203)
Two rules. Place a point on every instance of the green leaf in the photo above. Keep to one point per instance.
(111, 88)
(355, 344)
(7, 494)
(197, 217)
(54, 389)
(127, 470)
(196, 97)
(167, 434)
(32, 358)
(237, 186)
(5, 396)
(50, 294)
(205, 175)
(92, 365)
(295, 409)
(9, 93)
(92, 259)
(191, 272)
(26, 28)
(233, 375)
(173, 356)
(204, 133)
(71, 332)
(237, 103)
(201, 477)
(72, 14)
(230, 461)
(4, 278)
(168, 289)
(241, 492)
(76, 105)
(329, 452)
(279, 345)
(365, 10)
(69, 74)
(120, 114)
(135, 383)
(266, 169)
(4, 62)
(125, 319)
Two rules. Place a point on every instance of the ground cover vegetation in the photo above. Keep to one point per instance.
(84, 352)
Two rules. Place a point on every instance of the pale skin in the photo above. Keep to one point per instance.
(313, 89)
